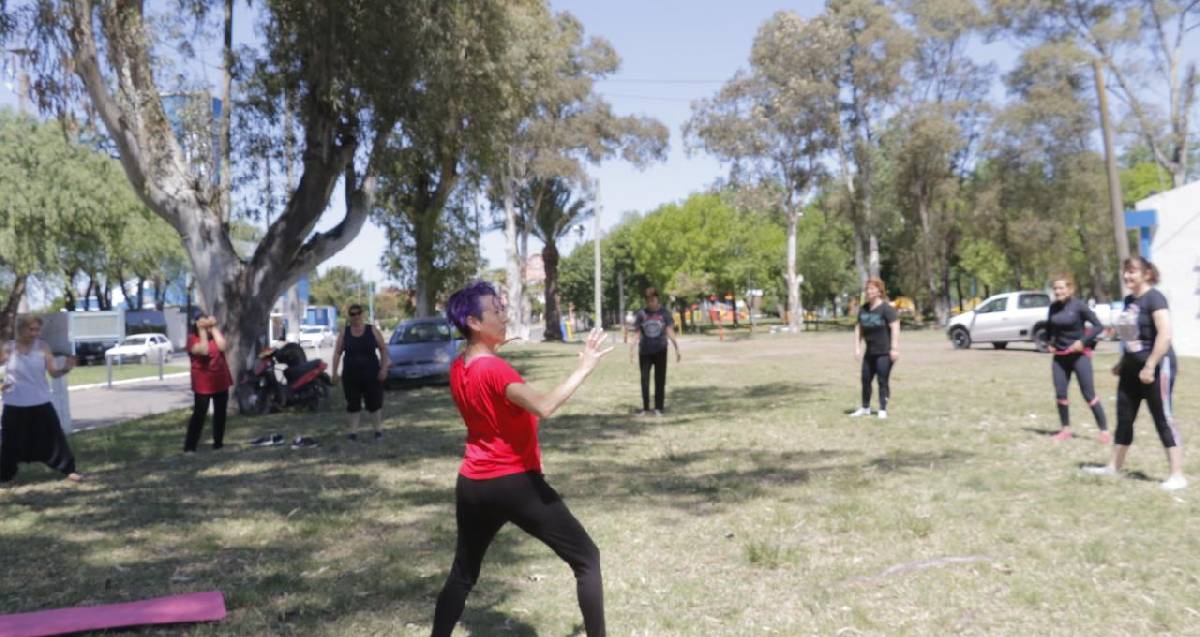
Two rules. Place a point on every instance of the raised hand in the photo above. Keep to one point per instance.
(593, 349)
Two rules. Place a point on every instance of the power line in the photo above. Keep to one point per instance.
(650, 97)
(650, 80)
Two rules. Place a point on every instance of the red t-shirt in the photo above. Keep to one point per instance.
(210, 373)
(501, 436)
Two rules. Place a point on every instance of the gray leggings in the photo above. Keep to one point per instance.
(1080, 365)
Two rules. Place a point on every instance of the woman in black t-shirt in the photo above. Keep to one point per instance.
(1147, 370)
(1072, 344)
(878, 325)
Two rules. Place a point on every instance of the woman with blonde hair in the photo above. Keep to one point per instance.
(878, 326)
(1072, 344)
(29, 427)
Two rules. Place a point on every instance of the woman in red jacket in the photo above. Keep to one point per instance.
(211, 381)
(501, 476)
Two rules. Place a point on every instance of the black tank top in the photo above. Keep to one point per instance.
(360, 351)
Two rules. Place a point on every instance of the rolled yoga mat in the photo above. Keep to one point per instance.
(176, 609)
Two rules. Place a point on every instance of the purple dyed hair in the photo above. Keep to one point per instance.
(465, 303)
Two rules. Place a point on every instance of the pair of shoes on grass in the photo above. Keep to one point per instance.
(1103, 437)
(353, 437)
(1173, 483)
(866, 411)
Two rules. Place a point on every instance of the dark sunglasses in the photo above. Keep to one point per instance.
(352, 314)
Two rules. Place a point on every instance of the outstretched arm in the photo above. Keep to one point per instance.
(544, 405)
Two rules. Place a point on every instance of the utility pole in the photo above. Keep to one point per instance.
(1115, 200)
(596, 240)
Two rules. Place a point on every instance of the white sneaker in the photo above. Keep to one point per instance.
(1100, 471)
(883, 414)
(861, 411)
(1174, 483)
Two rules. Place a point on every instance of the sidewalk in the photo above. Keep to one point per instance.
(95, 407)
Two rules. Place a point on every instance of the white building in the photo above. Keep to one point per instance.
(1175, 249)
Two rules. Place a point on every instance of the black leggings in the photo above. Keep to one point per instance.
(1081, 365)
(1131, 391)
(659, 363)
(199, 411)
(876, 365)
(482, 507)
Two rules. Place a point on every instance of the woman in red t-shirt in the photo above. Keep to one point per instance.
(501, 476)
(211, 381)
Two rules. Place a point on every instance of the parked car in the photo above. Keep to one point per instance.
(315, 336)
(1002, 319)
(141, 348)
(421, 350)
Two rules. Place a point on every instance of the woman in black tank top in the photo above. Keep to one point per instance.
(363, 372)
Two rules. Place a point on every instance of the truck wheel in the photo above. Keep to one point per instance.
(960, 337)
(1041, 339)
(1000, 344)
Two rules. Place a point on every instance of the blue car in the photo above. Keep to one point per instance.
(421, 351)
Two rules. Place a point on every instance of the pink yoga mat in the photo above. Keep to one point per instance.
(192, 607)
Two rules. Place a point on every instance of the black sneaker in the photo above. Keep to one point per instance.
(378, 436)
(352, 437)
(276, 439)
(261, 441)
(303, 442)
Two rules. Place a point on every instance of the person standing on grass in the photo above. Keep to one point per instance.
(29, 427)
(501, 479)
(879, 326)
(653, 326)
(1147, 370)
(211, 381)
(1072, 347)
(364, 371)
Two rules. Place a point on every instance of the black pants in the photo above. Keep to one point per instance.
(659, 363)
(199, 411)
(876, 366)
(1080, 365)
(33, 434)
(1131, 391)
(482, 507)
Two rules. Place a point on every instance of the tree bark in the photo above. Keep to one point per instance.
(795, 311)
(552, 314)
(515, 281)
(8, 316)
(424, 227)
(226, 123)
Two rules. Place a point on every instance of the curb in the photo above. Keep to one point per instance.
(129, 381)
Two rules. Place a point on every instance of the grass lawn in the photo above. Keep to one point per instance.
(754, 507)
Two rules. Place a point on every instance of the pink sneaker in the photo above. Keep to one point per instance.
(1065, 434)
(1105, 438)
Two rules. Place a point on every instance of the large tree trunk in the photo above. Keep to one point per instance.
(424, 227)
(8, 315)
(550, 261)
(860, 264)
(795, 310)
(514, 272)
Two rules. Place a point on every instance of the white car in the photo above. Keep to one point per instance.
(141, 348)
(315, 336)
(1002, 319)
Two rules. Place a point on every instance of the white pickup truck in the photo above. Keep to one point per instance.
(1005, 318)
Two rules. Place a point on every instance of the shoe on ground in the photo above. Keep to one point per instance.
(1105, 438)
(657, 412)
(78, 477)
(861, 411)
(1100, 471)
(1174, 483)
(261, 441)
(352, 437)
(303, 442)
(883, 414)
(378, 436)
(1065, 434)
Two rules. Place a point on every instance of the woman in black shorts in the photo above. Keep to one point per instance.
(363, 373)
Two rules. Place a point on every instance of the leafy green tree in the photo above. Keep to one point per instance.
(340, 286)
(775, 121)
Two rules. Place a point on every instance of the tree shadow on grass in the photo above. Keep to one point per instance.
(734, 399)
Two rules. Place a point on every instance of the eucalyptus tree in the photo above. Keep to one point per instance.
(775, 121)
(1143, 44)
(351, 71)
(557, 124)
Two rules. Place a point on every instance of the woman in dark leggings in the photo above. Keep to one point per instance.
(1147, 371)
(879, 327)
(364, 372)
(653, 327)
(501, 477)
(1072, 346)
(211, 381)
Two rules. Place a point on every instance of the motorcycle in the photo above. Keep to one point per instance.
(305, 382)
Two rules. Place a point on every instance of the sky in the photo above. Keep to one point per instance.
(673, 52)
